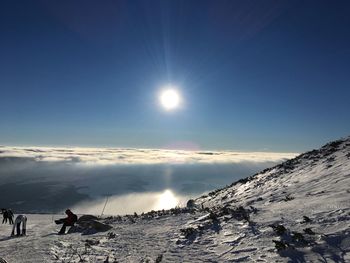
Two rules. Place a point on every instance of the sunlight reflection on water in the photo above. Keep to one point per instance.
(130, 203)
(166, 200)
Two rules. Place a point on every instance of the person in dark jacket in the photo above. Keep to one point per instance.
(10, 216)
(70, 220)
(5, 215)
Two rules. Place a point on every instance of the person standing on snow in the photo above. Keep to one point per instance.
(10, 216)
(5, 215)
(20, 219)
(70, 220)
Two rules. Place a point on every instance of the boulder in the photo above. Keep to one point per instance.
(191, 204)
(86, 218)
(89, 224)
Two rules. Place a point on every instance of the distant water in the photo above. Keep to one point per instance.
(45, 184)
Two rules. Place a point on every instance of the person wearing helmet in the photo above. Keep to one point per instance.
(70, 220)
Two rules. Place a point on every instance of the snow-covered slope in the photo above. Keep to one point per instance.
(298, 211)
(315, 184)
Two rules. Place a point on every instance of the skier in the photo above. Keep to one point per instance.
(20, 219)
(70, 220)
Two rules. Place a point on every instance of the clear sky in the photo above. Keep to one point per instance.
(253, 75)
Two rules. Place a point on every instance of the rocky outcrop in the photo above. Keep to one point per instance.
(88, 224)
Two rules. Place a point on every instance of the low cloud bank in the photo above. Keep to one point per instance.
(105, 156)
(41, 179)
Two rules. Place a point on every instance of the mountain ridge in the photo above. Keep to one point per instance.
(328, 148)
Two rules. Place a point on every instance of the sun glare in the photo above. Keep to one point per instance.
(166, 200)
(169, 99)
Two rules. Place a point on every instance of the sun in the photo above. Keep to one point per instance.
(169, 98)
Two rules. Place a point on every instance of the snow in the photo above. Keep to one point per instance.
(33, 247)
(238, 223)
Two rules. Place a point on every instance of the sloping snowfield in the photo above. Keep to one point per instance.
(298, 211)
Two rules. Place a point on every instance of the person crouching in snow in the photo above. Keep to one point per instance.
(20, 219)
(70, 220)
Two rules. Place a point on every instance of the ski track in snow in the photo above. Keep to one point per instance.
(315, 184)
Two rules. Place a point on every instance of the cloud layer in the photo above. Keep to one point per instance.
(47, 179)
(115, 156)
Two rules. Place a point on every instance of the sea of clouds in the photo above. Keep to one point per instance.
(51, 179)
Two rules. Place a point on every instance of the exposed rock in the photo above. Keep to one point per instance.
(190, 203)
(86, 218)
(88, 224)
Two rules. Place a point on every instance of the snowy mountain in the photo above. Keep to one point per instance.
(297, 211)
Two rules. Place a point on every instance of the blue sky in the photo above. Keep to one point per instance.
(254, 75)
